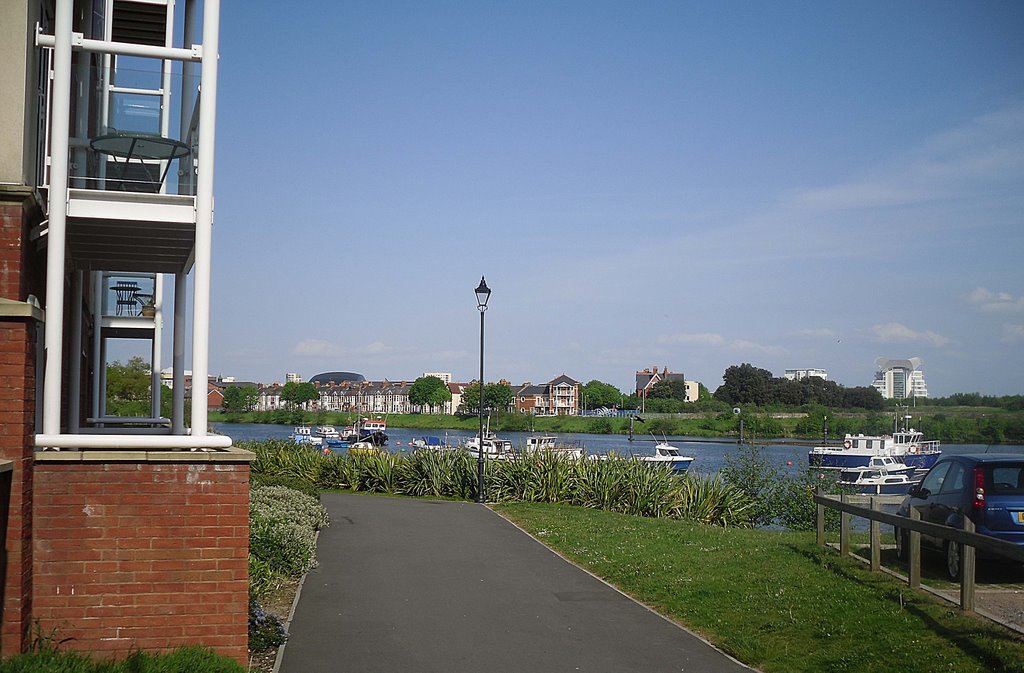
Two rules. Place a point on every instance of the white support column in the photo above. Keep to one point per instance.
(204, 217)
(60, 120)
(178, 356)
(75, 355)
(188, 99)
(99, 365)
(158, 330)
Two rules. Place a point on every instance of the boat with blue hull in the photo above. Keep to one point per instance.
(908, 446)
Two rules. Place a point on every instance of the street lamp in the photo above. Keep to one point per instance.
(483, 293)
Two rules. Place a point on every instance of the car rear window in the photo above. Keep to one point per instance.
(1006, 478)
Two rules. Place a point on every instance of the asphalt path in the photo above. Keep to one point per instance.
(429, 586)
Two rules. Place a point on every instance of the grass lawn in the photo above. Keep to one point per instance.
(774, 600)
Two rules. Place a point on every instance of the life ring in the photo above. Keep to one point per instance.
(848, 444)
(913, 448)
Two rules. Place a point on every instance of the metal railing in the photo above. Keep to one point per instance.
(852, 505)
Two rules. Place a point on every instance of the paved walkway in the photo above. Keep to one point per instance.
(420, 586)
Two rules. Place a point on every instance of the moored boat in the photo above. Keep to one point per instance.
(669, 456)
(907, 445)
(551, 444)
(879, 482)
(492, 446)
(303, 434)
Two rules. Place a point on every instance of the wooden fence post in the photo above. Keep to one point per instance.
(914, 566)
(820, 538)
(967, 568)
(876, 539)
(844, 529)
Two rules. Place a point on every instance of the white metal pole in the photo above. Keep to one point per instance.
(204, 217)
(99, 365)
(178, 357)
(75, 348)
(158, 329)
(60, 120)
(188, 87)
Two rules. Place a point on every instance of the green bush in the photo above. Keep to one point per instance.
(282, 531)
(291, 482)
(286, 505)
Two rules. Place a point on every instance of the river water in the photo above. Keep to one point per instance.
(709, 454)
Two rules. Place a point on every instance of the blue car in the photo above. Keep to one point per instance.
(986, 487)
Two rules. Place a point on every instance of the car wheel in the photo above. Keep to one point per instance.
(902, 543)
(953, 560)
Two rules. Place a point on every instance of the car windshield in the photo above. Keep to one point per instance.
(1005, 478)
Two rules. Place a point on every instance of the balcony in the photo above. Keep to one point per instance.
(133, 163)
(128, 305)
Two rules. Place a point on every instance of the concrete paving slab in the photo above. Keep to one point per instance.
(431, 586)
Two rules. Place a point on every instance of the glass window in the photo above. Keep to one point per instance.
(956, 479)
(1007, 479)
(933, 481)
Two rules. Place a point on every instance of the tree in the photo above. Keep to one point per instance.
(238, 399)
(862, 397)
(429, 391)
(297, 394)
(127, 382)
(745, 384)
(673, 389)
(598, 394)
(496, 396)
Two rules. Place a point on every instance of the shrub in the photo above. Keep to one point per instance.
(285, 547)
(294, 483)
(283, 504)
(265, 628)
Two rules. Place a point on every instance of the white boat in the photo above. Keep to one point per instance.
(907, 445)
(551, 444)
(493, 447)
(879, 482)
(888, 464)
(303, 434)
(669, 456)
(372, 430)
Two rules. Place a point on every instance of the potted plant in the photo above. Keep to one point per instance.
(148, 303)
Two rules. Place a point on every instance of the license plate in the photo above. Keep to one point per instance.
(1020, 517)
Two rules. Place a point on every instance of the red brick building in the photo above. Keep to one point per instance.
(120, 534)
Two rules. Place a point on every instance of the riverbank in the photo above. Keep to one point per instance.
(812, 611)
(957, 425)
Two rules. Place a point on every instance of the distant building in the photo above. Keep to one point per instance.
(899, 379)
(647, 378)
(292, 377)
(444, 376)
(558, 397)
(797, 374)
(336, 378)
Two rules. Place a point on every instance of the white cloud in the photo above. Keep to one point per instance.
(322, 348)
(701, 339)
(988, 301)
(1013, 334)
(318, 348)
(744, 346)
(815, 333)
(987, 150)
(895, 332)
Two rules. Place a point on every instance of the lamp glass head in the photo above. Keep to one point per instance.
(483, 293)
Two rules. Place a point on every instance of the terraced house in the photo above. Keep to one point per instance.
(120, 533)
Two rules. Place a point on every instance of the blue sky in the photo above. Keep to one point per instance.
(680, 184)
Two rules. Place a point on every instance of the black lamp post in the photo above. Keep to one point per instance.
(483, 293)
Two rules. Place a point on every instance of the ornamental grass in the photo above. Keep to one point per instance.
(614, 484)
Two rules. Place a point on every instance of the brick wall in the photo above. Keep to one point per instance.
(142, 555)
(17, 419)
